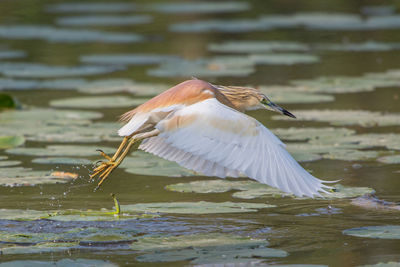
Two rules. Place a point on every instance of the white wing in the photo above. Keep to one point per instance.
(214, 139)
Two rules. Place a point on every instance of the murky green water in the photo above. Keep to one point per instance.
(334, 64)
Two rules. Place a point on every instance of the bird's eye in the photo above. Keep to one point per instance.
(265, 101)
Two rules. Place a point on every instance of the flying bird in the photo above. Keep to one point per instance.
(203, 127)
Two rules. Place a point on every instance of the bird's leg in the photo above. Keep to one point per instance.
(107, 167)
(110, 161)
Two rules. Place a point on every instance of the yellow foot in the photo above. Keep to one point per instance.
(103, 170)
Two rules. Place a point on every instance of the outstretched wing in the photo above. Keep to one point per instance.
(216, 140)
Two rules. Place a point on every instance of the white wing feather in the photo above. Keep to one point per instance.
(220, 141)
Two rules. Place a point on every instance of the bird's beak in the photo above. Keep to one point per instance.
(274, 107)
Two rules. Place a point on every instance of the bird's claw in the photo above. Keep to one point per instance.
(104, 155)
(103, 170)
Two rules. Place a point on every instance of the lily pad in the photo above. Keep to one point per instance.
(382, 231)
(251, 189)
(200, 7)
(9, 163)
(103, 20)
(283, 59)
(369, 46)
(9, 54)
(63, 126)
(59, 263)
(47, 247)
(340, 84)
(143, 163)
(27, 242)
(18, 176)
(31, 70)
(65, 35)
(204, 248)
(247, 47)
(122, 86)
(395, 159)
(60, 150)
(200, 207)
(346, 117)
(62, 161)
(11, 141)
(286, 95)
(127, 59)
(310, 133)
(92, 7)
(30, 84)
(235, 67)
(21, 215)
(6, 102)
(98, 102)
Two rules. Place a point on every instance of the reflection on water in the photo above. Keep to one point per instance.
(73, 68)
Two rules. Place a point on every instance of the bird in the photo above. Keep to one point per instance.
(203, 127)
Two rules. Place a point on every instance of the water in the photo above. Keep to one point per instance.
(310, 231)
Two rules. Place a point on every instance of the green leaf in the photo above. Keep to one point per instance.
(11, 141)
(201, 207)
(6, 101)
(383, 232)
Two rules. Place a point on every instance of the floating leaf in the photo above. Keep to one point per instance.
(369, 46)
(18, 69)
(200, 207)
(122, 85)
(92, 7)
(251, 189)
(102, 20)
(6, 101)
(239, 67)
(29, 84)
(11, 141)
(383, 232)
(395, 159)
(283, 59)
(18, 176)
(62, 161)
(47, 247)
(98, 102)
(346, 117)
(339, 84)
(285, 95)
(59, 263)
(60, 150)
(64, 126)
(48, 115)
(65, 35)
(8, 54)
(8, 163)
(200, 7)
(252, 47)
(312, 20)
(20, 215)
(204, 248)
(143, 163)
(127, 59)
(310, 133)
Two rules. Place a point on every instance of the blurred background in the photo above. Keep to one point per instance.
(68, 69)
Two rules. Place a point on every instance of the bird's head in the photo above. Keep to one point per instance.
(247, 98)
